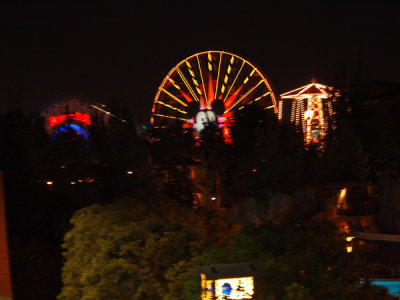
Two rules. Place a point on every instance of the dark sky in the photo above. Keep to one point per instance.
(121, 52)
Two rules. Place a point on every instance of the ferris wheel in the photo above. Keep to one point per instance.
(210, 87)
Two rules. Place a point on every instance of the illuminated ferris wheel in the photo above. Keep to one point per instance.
(209, 87)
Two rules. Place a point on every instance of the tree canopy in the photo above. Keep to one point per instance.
(133, 249)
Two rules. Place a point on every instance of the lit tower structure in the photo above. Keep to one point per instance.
(310, 108)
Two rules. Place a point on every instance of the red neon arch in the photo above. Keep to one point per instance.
(85, 118)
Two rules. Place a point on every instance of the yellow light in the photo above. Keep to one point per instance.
(349, 238)
(245, 81)
(258, 98)
(73, 182)
(173, 97)
(195, 82)
(187, 84)
(171, 117)
(191, 73)
(342, 203)
(80, 180)
(349, 249)
(280, 103)
(206, 287)
(199, 91)
(229, 69)
(188, 64)
(170, 106)
(233, 83)
(232, 59)
(226, 79)
(219, 69)
(252, 72)
(202, 81)
(223, 89)
(209, 67)
(173, 82)
(209, 56)
(49, 182)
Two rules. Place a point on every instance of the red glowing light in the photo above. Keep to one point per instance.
(227, 135)
(186, 96)
(85, 118)
(211, 95)
(228, 103)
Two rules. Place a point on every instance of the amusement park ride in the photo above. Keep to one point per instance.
(310, 108)
(75, 114)
(207, 88)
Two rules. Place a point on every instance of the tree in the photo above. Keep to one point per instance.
(130, 250)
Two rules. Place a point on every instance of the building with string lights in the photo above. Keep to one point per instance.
(310, 108)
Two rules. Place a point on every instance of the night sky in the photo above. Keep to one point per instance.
(121, 52)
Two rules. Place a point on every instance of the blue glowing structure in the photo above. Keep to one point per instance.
(212, 287)
(78, 129)
(226, 289)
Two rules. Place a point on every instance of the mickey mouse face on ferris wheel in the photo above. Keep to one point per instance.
(205, 117)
